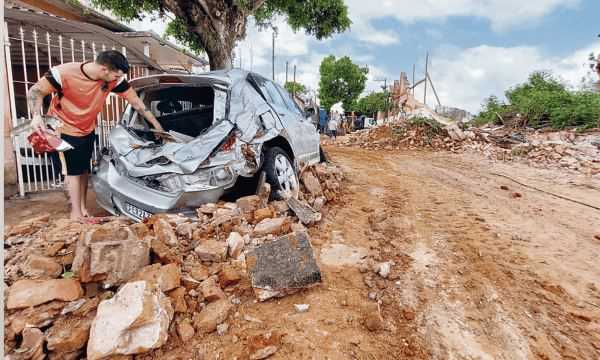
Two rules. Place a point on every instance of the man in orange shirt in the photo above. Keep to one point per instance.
(81, 91)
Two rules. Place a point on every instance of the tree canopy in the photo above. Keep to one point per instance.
(295, 87)
(370, 104)
(215, 26)
(341, 80)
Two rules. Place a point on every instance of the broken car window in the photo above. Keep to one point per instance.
(220, 108)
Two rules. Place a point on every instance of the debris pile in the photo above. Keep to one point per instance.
(549, 149)
(121, 288)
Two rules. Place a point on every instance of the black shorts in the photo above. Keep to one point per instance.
(78, 159)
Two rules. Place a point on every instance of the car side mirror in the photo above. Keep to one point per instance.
(309, 112)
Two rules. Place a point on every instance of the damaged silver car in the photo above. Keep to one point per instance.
(220, 128)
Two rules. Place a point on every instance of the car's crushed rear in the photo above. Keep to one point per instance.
(215, 127)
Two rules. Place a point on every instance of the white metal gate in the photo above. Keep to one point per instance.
(29, 53)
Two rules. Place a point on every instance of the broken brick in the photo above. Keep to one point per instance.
(235, 244)
(212, 315)
(109, 254)
(53, 248)
(229, 275)
(311, 183)
(272, 226)
(39, 316)
(177, 297)
(167, 277)
(32, 346)
(199, 272)
(27, 293)
(69, 334)
(141, 230)
(165, 254)
(211, 290)
(248, 203)
(134, 321)
(185, 330)
(211, 250)
(264, 213)
(42, 267)
(164, 232)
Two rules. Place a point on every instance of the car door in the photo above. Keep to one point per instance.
(302, 131)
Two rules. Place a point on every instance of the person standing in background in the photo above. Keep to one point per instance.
(333, 123)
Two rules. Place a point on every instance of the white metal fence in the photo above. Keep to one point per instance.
(29, 53)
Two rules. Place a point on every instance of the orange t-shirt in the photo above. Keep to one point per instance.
(80, 98)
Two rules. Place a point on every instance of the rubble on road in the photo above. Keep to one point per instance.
(28, 293)
(570, 149)
(121, 288)
(283, 266)
(134, 321)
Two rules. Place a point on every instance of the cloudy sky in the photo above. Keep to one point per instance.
(477, 47)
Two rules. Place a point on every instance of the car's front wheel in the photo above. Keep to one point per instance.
(281, 174)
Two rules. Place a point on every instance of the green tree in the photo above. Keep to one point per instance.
(295, 87)
(371, 104)
(544, 101)
(215, 26)
(341, 80)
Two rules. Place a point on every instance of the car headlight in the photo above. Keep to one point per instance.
(170, 183)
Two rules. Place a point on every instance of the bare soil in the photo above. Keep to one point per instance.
(479, 272)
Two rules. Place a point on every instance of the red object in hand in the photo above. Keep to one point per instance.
(44, 142)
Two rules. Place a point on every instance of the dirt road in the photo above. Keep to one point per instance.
(480, 272)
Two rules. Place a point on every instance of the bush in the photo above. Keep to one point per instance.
(544, 101)
(489, 112)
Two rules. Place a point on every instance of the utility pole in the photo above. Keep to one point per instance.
(251, 58)
(287, 63)
(426, 73)
(413, 80)
(294, 85)
(273, 53)
(387, 95)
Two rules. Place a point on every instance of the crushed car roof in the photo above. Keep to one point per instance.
(224, 76)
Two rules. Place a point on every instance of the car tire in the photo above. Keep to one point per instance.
(280, 174)
(323, 157)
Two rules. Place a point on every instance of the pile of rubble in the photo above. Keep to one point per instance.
(568, 149)
(424, 133)
(117, 289)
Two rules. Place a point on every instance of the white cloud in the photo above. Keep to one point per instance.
(502, 14)
(364, 31)
(464, 78)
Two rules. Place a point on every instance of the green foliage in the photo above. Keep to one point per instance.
(178, 30)
(491, 108)
(131, 9)
(296, 87)
(320, 18)
(544, 101)
(430, 126)
(370, 104)
(341, 80)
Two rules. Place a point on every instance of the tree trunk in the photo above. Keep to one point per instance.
(220, 56)
(218, 24)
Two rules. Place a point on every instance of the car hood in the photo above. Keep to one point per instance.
(183, 158)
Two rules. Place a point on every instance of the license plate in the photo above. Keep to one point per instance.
(136, 211)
